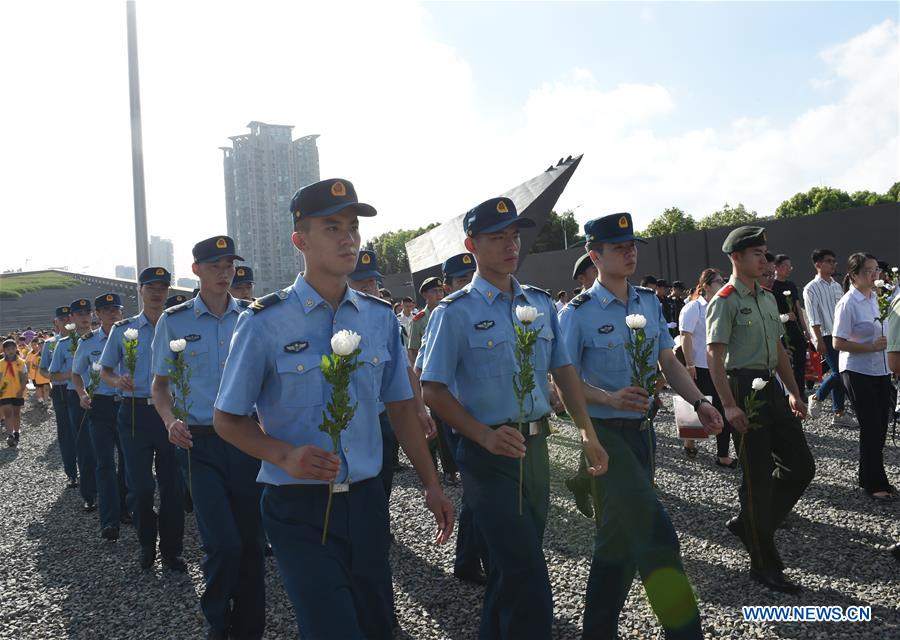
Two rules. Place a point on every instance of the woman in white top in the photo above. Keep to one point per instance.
(692, 325)
(860, 340)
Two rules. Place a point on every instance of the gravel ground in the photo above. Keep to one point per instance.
(59, 579)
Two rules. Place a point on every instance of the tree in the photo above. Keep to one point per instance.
(893, 193)
(390, 247)
(672, 220)
(727, 217)
(559, 230)
(870, 198)
(816, 200)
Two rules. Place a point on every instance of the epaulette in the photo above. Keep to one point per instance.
(376, 298)
(529, 287)
(267, 301)
(456, 295)
(122, 323)
(244, 304)
(64, 338)
(726, 291)
(187, 304)
(580, 299)
(419, 316)
(89, 334)
(645, 290)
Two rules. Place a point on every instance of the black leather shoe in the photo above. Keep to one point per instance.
(110, 533)
(774, 580)
(89, 506)
(475, 577)
(582, 496)
(188, 502)
(148, 556)
(72, 483)
(125, 518)
(268, 552)
(895, 550)
(736, 528)
(175, 563)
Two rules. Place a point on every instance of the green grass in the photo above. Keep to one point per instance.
(13, 286)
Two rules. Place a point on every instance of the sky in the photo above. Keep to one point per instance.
(431, 108)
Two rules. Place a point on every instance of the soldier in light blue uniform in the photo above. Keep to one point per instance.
(634, 531)
(242, 284)
(470, 563)
(58, 398)
(102, 409)
(146, 438)
(61, 371)
(471, 343)
(340, 589)
(220, 477)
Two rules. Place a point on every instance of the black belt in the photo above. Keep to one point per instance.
(622, 423)
(534, 428)
(138, 401)
(339, 487)
(201, 430)
(104, 396)
(765, 374)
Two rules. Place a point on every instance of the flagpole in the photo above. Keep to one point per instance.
(137, 147)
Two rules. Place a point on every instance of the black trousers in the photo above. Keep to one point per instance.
(871, 398)
(707, 388)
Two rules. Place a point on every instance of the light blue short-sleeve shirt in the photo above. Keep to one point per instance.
(113, 355)
(89, 351)
(274, 366)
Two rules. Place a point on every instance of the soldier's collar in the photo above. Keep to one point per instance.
(309, 298)
(605, 297)
(742, 289)
(141, 320)
(200, 307)
(490, 293)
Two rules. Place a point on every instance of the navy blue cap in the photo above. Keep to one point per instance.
(327, 197)
(212, 249)
(430, 283)
(366, 267)
(612, 229)
(82, 304)
(492, 216)
(242, 275)
(662, 283)
(178, 298)
(459, 265)
(62, 312)
(155, 274)
(107, 300)
(581, 265)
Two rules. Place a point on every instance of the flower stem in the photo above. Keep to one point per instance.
(132, 416)
(327, 511)
(521, 475)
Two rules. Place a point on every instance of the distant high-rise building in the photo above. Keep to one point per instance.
(125, 272)
(162, 254)
(188, 283)
(263, 169)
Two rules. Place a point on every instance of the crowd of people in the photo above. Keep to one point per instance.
(277, 421)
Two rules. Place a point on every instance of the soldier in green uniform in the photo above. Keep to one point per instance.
(743, 337)
(432, 291)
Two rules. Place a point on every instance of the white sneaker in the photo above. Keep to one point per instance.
(844, 421)
(814, 406)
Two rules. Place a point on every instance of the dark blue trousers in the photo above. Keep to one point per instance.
(222, 482)
(111, 491)
(84, 449)
(64, 431)
(832, 383)
(147, 449)
(340, 589)
(389, 450)
(634, 533)
(518, 604)
(471, 553)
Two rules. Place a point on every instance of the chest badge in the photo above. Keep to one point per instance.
(192, 338)
(607, 328)
(484, 325)
(96, 353)
(296, 347)
(746, 311)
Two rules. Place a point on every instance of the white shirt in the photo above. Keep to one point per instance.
(692, 320)
(856, 320)
(820, 298)
(405, 320)
(559, 305)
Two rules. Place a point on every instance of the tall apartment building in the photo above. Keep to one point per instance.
(263, 169)
(125, 272)
(162, 253)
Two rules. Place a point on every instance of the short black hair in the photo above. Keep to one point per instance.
(820, 254)
(780, 258)
(560, 294)
(770, 257)
(648, 280)
(406, 299)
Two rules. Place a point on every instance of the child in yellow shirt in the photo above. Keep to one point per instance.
(12, 390)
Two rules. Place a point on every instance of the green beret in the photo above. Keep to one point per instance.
(744, 238)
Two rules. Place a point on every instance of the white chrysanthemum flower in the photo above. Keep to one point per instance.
(70, 327)
(345, 342)
(177, 346)
(527, 315)
(784, 317)
(96, 367)
(879, 283)
(786, 294)
(131, 334)
(635, 321)
(759, 384)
